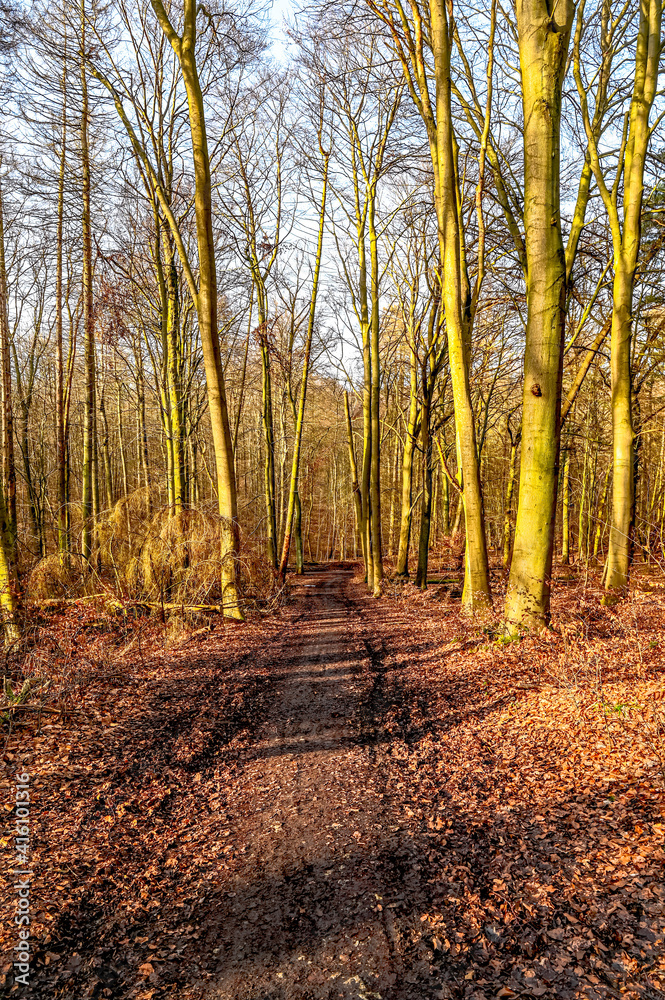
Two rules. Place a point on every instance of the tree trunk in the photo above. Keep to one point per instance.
(106, 454)
(7, 584)
(207, 314)
(543, 44)
(476, 593)
(87, 498)
(393, 496)
(143, 464)
(625, 227)
(583, 501)
(407, 472)
(297, 530)
(33, 502)
(269, 443)
(623, 435)
(367, 458)
(507, 518)
(375, 472)
(601, 514)
(8, 461)
(60, 433)
(426, 506)
(174, 362)
(300, 418)
(565, 512)
(353, 468)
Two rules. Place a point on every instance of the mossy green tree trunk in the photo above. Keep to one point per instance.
(622, 199)
(205, 298)
(456, 302)
(375, 402)
(543, 39)
(427, 76)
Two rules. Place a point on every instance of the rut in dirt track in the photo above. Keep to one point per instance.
(310, 912)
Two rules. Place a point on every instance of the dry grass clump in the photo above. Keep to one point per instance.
(178, 560)
(148, 554)
(256, 576)
(125, 529)
(54, 577)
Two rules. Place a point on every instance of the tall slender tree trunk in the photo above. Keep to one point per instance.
(8, 534)
(426, 506)
(407, 470)
(625, 227)
(623, 434)
(393, 496)
(510, 486)
(543, 45)
(8, 461)
(96, 478)
(297, 531)
(269, 444)
(106, 454)
(60, 433)
(176, 428)
(583, 513)
(375, 473)
(367, 457)
(142, 442)
(33, 499)
(565, 511)
(88, 474)
(476, 593)
(300, 416)
(601, 514)
(7, 579)
(123, 461)
(353, 468)
(206, 303)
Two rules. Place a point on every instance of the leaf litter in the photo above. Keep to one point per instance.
(351, 798)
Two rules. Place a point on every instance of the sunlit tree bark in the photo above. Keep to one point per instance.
(89, 436)
(205, 294)
(430, 28)
(623, 199)
(543, 45)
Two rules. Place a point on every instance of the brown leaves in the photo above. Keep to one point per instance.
(494, 818)
(557, 795)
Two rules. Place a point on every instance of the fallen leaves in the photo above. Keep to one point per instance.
(499, 808)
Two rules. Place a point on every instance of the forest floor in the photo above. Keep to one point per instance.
(350, 798)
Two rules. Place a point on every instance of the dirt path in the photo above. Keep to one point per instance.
(305, 914)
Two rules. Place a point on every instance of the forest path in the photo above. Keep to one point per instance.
(307, 914)
(345, 800)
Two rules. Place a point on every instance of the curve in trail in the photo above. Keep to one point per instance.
(307, 915)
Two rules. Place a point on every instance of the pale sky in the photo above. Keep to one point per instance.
(279, 10)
